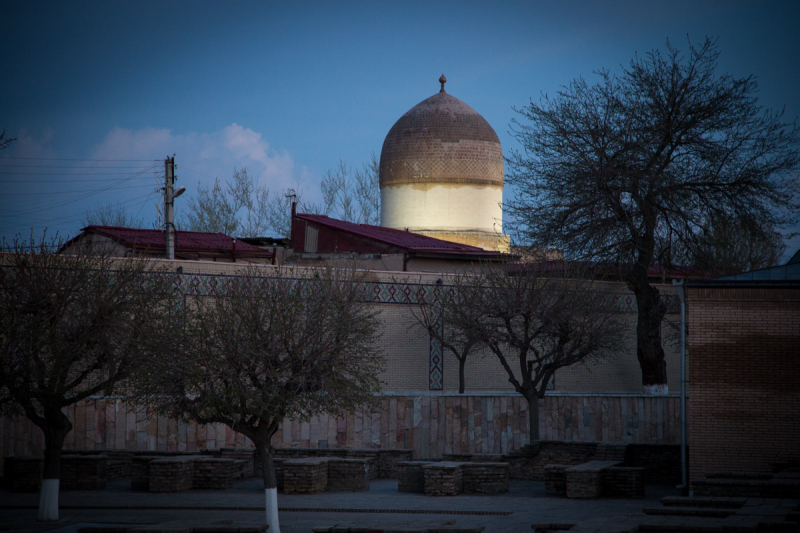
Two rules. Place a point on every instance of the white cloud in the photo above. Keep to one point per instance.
(201, 157)
(30, 144)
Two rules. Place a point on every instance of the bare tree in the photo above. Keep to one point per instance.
(72, 326)
(271, 346)
(5, 143)
(535, 319)
(729, 246)
(353, 196)
(452, 325)
(111, 215)
(240, 208)
(636, 168)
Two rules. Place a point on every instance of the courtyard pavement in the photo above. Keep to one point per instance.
(382, 506)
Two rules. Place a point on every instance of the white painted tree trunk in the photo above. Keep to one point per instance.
(272, 510)
(656, 390)
(48, 500)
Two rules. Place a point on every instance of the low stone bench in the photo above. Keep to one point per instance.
(626, 481)
(83, 472)
(23, 474)
(585, 481)
(140, 471)
(351, 475)
(444, 478)
(305, 476)
(411, 476)
(485, 478)
(244, 469)
(173, 474)
(555, 479)
(213, 473)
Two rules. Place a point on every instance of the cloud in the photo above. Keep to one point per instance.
(200, 157)
(31, 144)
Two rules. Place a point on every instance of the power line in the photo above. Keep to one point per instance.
(63, 181)
(64, 174)
(52, 193)
(52, 206)
(66, 159)
(68, 166)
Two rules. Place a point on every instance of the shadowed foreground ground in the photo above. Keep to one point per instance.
(525, 503)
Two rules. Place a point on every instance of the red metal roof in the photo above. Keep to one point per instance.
(185, 241)
(412, 242)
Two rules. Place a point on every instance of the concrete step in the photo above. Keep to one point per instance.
(705, 512)
(703, 501)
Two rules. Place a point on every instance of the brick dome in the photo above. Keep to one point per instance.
(441, 140)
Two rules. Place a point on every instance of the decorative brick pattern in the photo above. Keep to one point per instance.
(305, 476)
(23, 474)
(444, 479)
(174, 474)
(212, 473)
(83, 472)
(348, 475)
(411, 476)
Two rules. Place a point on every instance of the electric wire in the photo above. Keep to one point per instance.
(73, 200)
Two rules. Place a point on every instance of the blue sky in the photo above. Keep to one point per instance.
(288, 88)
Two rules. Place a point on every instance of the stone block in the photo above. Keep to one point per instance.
(623, 481)
(140, 471)
(585, 481)
(411, 476)
(350, 475)
(23, 474)
(485, 478)
(174, 474)
(555, 479)
(445, 478)
(247, 456)
(305, 476)
(83, 472)
(213, 473)
(387, 462)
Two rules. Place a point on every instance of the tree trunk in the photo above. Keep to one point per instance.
(462, 362)
(270, 485)
(648, 335)
(57, 425)
(533, 418)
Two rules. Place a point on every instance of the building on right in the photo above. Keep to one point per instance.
(744, 378)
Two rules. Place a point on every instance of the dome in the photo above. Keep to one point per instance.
(441, 174)
(441, 140)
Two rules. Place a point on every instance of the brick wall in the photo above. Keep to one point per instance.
(744, 379)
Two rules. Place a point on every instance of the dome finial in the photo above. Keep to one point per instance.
(442, 80)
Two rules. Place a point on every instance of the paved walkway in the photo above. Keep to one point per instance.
(526, 503)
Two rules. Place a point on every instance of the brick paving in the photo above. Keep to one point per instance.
(526, 503)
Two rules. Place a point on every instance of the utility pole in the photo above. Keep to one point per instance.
(169, 206)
